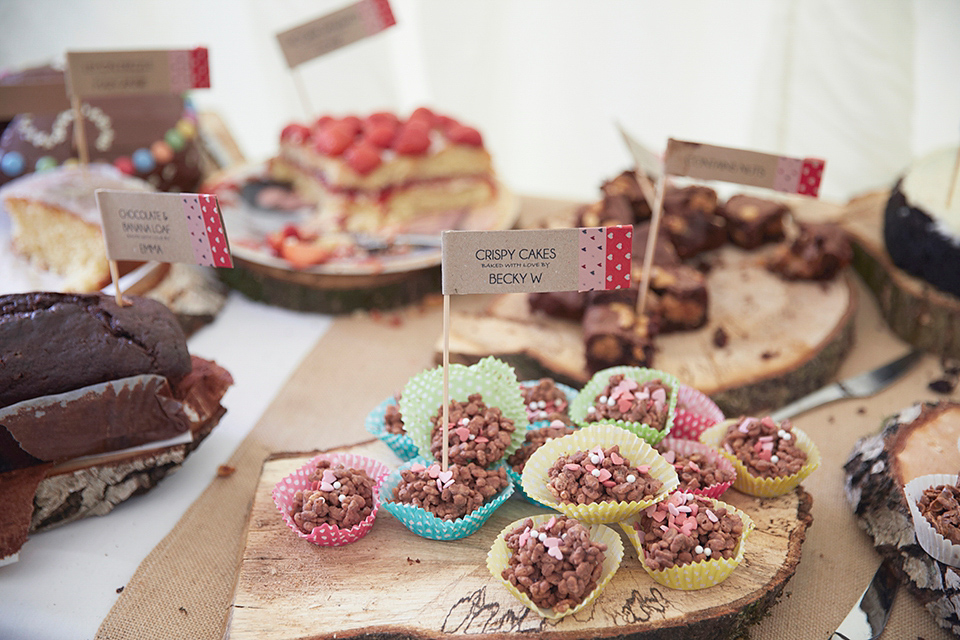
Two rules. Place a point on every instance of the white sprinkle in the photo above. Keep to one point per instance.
(472, 437)
(594, 458)
(542, 404)
(533, 405)
(708, 552)
(698, 549)
(602, 399)
(774, 459)
(611, 402)
(337, 485)
(558, 402)
(631, 478)
(342, 497)
(784, 434)
(591, 409)
(534, 533)
(595, 472)
(464, 421)
(542, 536)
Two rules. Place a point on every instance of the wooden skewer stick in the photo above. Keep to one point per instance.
(651, 244)
(79, 131)
(445, 415)
(302, 92)
(115, 276)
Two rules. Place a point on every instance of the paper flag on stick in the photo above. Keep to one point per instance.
(727, 164)
(110, 73)
(332, 31)
(166, 227)
(531, 260)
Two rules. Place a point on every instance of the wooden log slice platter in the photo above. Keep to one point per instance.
(919, 313)
(918, 441)
(784, 339)
(395, 584)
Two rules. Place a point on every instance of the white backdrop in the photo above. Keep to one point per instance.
(866, 84)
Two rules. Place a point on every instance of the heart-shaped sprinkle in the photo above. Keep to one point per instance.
(552, 521)
(417, 467)
(615, 459)
(643, 468)
(326, 486)
(604, 475)
(482, 439)
(463, 433)
(434, 470)
(329, 476)
(445, 476)
(670, 456)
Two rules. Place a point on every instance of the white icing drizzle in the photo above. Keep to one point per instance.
(58, 132)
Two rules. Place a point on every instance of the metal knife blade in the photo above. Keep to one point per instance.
(860, 386)
(869, 616)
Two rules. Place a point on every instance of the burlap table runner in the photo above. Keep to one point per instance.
(183, 589)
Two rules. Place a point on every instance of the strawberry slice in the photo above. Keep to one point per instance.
(333, 139)
(301, 255)
(379, 134)
(295, 133)
(382, 117)
(462, 134)
(363, 157)
(425, 115)
(412, 139)
(353, 124)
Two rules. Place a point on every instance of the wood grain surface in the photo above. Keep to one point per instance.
(395, 584)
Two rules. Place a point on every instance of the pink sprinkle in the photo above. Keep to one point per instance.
(439, 485)
(417, 467)
(604, 475)
(481, 439)
(768, 446)
(659, 515)
(608, 483)
(664, 527)
(676, 499)
(743, 427)
(688, 527)
(768, 422)
(599, 451)
(552, 542)
(624, 386)
(728, 448)
(433, 470)
(552, 521)
(659, 396)
(684, 509)
(524, 537)
(445, 476)
(615, 459)
(624, 403)
(711, 516)
(571, 466)
(694, 466)
(326, 486)
(589, 467)
(555, 552)
(643, 468)
(757, 446)
(694, 508)
(463, 433)
(329, 476)
(447, 483)
(670, 456)
(764, 455)
(557, 423)
(672, 508)
(765, 438)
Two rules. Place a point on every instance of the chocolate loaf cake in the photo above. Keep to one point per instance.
(51, 343)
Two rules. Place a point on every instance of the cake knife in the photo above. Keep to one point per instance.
(861, 386)
(869, 616)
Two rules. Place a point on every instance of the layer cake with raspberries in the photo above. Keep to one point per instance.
(384, 174)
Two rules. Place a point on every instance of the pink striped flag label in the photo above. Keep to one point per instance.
(536, 260)
(165, 227)
(107, 73)
(740, 166)
(334, 30)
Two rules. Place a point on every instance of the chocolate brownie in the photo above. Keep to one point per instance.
(753, 221)
(559, 304)
(687, 528)
(819, 252)
(611, 211)
(56, 342)
(766, 449)
(664, 253)
(626, 399)
(600, 475)
(613, 335)
(337, 496)
(477, 434)
(691, 220)
(682, 298)
(535, 439)
(625, 185)
(557, 565)
(940, 505)
(449, 497)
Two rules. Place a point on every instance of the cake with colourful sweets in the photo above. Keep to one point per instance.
(384, 173)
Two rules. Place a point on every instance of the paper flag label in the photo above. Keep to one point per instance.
(27, 97)
(534, 260)
(727, 164)
(166, 227)
(108, 73)
(646, 160)
(332, 31)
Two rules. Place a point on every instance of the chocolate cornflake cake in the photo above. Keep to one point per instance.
(753, 221)
(338, 496)
(626, 399)
(768, 450)
(687, 528)
(477, 433)
(696, 470)
(819, 252)
(557, 565)
(600, 475)
(940, 505)
(535, 439)
(392, 420)
(452, 494)
(546, 401)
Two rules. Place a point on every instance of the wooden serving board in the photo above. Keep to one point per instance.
(784, 339)
(918, 312)
(395, 584)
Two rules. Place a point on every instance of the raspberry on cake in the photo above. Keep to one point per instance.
(382, 173)
(477, 434)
